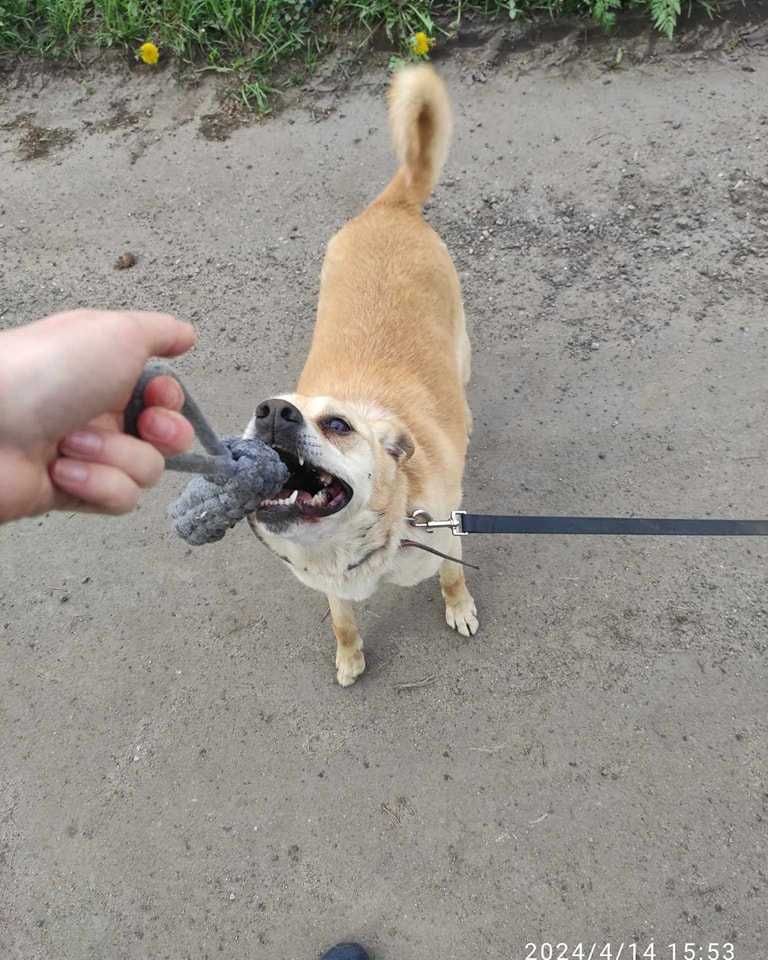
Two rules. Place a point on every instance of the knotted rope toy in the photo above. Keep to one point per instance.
(234, 477)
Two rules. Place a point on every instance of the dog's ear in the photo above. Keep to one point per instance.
(395, 439)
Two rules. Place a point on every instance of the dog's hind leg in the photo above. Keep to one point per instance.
(460, 609)
(350, 661)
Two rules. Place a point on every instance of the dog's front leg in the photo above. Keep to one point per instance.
(350, 661)
(460, 609)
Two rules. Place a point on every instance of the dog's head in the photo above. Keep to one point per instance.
(343, 458)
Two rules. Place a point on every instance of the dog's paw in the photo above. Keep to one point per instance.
(349, 668)
(462, 616)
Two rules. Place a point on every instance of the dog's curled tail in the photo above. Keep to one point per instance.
(420, 118)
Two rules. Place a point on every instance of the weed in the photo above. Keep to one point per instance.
(250, 38)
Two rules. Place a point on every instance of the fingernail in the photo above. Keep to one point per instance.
(70, 471)
(178, 393)
(158, 427)
(83, 442)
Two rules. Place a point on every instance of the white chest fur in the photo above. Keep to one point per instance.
(353, 567)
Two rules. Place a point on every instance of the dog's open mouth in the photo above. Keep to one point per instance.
(310, 493)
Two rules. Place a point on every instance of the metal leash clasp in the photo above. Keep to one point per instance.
(421, 520)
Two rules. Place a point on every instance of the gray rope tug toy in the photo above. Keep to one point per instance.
(234, 478)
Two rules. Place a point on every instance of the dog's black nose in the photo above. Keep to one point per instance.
(277, 410)
(278, 423)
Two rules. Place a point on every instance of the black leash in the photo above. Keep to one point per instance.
(462, 523)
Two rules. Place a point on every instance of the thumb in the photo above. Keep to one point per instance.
(164, 335)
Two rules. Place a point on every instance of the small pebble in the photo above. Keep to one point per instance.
(125, 261)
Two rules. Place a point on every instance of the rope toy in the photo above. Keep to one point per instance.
(234, 477)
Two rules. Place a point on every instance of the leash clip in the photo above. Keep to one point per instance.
(421, 520)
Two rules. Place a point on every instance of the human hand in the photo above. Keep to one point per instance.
(64, 382)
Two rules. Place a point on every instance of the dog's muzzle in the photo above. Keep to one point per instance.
(310, 493)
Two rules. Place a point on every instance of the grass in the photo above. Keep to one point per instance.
(251, 38)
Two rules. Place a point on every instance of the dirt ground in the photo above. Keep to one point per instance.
(180, 777)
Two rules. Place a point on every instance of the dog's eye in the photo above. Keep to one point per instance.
(336, 425)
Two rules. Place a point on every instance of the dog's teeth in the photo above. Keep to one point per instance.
(292, 499)
(301, 461)
(325, 478)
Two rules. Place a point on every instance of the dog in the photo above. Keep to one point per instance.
(379, 423)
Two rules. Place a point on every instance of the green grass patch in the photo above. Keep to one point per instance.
(250, 38)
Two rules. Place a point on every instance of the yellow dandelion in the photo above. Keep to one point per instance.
(149, 53)
(421, 44)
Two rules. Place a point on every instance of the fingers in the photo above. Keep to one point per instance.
(168, 431)
(105, 470)
(103, 488)
(158, 423)
(164, 392)
(139, 461)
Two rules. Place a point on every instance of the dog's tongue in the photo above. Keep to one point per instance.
(336, 493)
(309, 503)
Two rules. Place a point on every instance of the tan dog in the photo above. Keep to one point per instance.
(378, 426)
